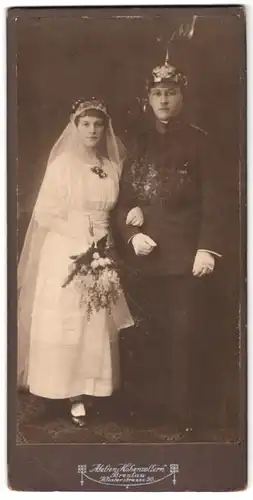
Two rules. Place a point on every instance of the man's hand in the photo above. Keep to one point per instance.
(203, 264)
(143, 244)
(135, 217)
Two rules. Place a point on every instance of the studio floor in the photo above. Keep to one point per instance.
(109, 421)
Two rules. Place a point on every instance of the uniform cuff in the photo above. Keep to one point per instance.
(131, 237)
(209, 251)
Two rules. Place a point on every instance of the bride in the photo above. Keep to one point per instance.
(62, 351)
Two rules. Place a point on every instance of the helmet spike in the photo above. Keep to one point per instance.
(167, 57)
(167, 73)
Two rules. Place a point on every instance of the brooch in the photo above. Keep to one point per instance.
(99, 171)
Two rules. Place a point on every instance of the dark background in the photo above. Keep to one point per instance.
(61, 58)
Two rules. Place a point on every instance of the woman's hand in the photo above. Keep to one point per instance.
(135, 217)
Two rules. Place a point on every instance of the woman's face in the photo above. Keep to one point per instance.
(91, 130)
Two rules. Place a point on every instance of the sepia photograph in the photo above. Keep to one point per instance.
(126, 172)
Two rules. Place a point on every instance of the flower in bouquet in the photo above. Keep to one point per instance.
(95, 274)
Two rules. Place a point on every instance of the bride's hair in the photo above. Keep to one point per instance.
(91, 107)
(92, 112)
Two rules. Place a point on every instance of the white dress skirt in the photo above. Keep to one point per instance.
(69, 354)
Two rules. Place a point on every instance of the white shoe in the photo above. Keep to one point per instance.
(78, 410)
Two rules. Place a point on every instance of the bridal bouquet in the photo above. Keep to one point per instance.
(95, 273)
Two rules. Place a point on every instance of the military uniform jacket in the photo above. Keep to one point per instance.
(172, 174)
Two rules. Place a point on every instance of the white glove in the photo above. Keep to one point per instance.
(203, 264)
(135, 217)
(143, 244)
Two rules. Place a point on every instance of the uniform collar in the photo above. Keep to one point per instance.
(172, 125)
(150, 124)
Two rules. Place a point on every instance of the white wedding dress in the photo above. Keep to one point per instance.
(69, 355)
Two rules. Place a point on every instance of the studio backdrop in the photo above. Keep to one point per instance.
(62, 58)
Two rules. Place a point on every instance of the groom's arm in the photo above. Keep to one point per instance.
(126, 201)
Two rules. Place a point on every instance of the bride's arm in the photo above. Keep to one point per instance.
(52, 207)
(135, 217)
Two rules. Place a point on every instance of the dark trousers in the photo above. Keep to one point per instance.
(173, 309)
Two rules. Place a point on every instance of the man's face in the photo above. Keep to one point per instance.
(166, 101)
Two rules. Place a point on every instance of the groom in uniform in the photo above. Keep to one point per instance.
(171, 175)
